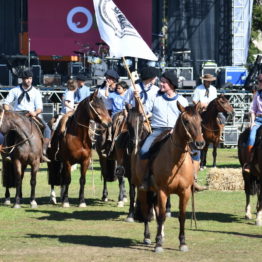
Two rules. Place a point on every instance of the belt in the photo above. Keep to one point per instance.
(258, 115)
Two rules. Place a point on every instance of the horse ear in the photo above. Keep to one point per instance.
(92, 96)
(198, 106)
(180, 107)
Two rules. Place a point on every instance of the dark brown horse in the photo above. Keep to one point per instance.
(24, 145)
(212, 128)
(74, 145)
(252, 180)
(172, 172)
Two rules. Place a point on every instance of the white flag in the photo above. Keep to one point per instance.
(118, 32)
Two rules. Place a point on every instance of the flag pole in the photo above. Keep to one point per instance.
(138, 98)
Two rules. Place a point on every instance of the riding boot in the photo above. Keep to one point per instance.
(246, 166)
(44, 157)
(145, 184)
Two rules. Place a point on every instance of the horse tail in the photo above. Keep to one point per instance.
(8, 174)
(144, 206)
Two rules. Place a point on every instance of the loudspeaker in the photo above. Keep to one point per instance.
(48, 111)
(5, 75)
(52, 80)
(37, 79)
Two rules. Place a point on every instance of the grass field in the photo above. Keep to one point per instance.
(99, 233)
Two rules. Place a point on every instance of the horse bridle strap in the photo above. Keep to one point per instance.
(91, 106)
(187, 132)
(2, 117)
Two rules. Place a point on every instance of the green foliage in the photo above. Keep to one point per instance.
(256, 29)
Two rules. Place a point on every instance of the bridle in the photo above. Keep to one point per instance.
(2, 117)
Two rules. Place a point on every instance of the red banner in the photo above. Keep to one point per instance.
(60, 27)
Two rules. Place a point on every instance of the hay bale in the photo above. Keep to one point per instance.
(225, 179)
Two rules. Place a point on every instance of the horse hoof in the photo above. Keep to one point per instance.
(53, 200)
(248, 216)
(125, 199)
(105, 199)
(183, 248)
(33, 204)
(66, 205)
(17, 206)
(147, 241)
(168, 214)
(159, 250)
(130, 220)
(7, 202)
(120, 204)
(82, 204)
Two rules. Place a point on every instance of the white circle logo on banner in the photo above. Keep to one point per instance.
(74, 26)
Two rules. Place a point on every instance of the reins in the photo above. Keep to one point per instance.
(17, 144)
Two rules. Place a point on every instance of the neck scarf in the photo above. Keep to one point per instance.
(169, 98)
(24, 93)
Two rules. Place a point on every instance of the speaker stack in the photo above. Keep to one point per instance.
(5, 75)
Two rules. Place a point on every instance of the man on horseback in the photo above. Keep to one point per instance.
(164, 111)
(25, 97)
(255, 123)
(205, 93)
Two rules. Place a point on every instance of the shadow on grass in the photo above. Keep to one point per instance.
(225, 166)
(228, 232)
(65, 214)
(95, 241)
(206, 216)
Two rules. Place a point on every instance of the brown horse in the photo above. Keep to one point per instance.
(172, 172)
(74, 145)
(252, 180)
(24, 144)
(211, 127)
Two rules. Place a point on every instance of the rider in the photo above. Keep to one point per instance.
(205, 93)
(25, 97)
(255, 122)
(146, 87)
(163, 108)
(82, 91)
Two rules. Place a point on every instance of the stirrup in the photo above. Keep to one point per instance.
(8, 159)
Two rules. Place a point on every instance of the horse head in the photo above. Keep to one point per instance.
(136, 130)
(190, 125)
(98, 112)
(223, 105)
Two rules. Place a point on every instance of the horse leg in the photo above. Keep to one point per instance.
(82, 181)
(34, 170)
(66, 180)
(248, 214)
(203, 156)
(183, 199)
(161, 217)
(105, 192)
(53, 195)
(132, 195)
(7, 197)
(168, 207)
(214, 155)
(18, 177)
(259, 208)
(121, 183)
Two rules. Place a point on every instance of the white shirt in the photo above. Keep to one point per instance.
(200, 94)
(70, 97)
(165, 112)
(32, 105)
(107, 101)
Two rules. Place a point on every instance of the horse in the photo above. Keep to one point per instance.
(211, 127)
(252, 180)
(108, 168)
(74, 145)
(24, 144)
(171, 172)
